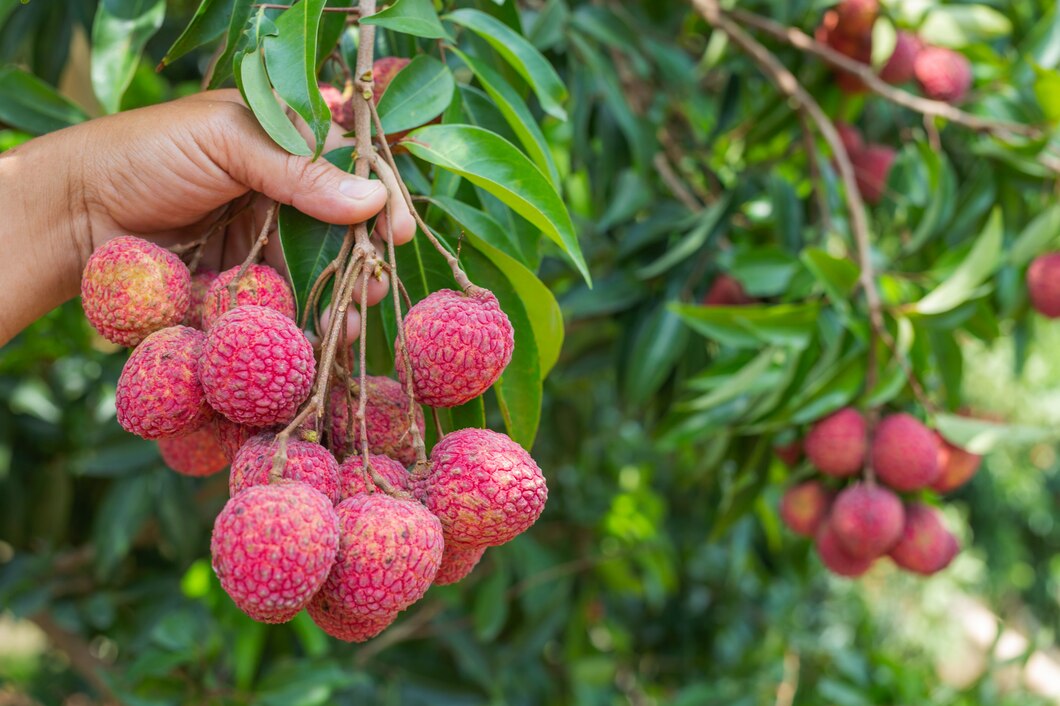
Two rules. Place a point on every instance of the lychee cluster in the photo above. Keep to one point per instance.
(853, 520)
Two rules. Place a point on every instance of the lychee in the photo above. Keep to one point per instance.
(843, 30)
(804, 506)
(158, 393)
(257, 366)
(726, 290)
(131, 288)
(458, 346)
(1043, 284)
(899, 68)
(943, 74)
(925, 546)
(484, 487)
(867, 520)
(872, 166)
(346, 625)
(856, 17)
(458, 560)
(341, 108)
(353, 480)
(836, 445)
(835, 557)
(200, 284)
(790, 453)
(260, 285)
(956, 466)
(386, 419)
(905, 453)
(273, 546)
(850, 136)
(307, 462)
(196, 454)
(383, 72)
(231, 436)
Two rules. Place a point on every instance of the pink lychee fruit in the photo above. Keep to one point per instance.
(200, 284)
(856, 17)
(273, 546)
(943, 74)
(872, 166)
(790, 453)
(259, 286)
(458, 560)
(484, 487)
(307, 462)
(232, 436)
(353, 480)
(131, 288)
(197, 454)
(458, 346)
(835, 557)
(836, 445)
(257, 366)
(726, 290)
(956, 466)
(386, 419)
(341, 108)
(899, 68)
(926, 546)
(1043, 284)
(158, 393)
(850, 136)
(905, 453)
(804, 507)
(346, 625)
(383, 72)
(867, 520)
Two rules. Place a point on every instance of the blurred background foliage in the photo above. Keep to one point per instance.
(660, 573)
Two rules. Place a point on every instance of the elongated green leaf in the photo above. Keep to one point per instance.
(29, 104)
(494, 164)
(742, 326)
(418, 93)
(291, 60)
(958, 25)
(209, 22)
(521, 54)
(415, 17)
(257, 92)
(982, 436)
(963, 283)
(482, 224)
(119, 33)
(657, 345)
(1038, 236)
(837, 276)
(747, 379)
(308, 246)
(223, 67)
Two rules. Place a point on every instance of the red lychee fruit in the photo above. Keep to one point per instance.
(956, 466)
(850, 136)
(872, 166)
(844, 33)
(458, 560)
(726, 291)
(1043, 284)
(804, 507)
(383, 72)
(855, 18)
(273, 546)
(158, 393)
(835, 557)
(353, 480)
(307, 462)
(926, 546)
(200, 284)
(790, 453)
(905, 453)
(867, 520)
(484, 487)
(257, 366)
(458, 346)
(943, 74)
(899, 68)
(260, 286)
(386, 418)
(131, 288)
(389, 553)
(341, 108)
(196, 454)
(346, 626)
(232, 436)
(836, 445)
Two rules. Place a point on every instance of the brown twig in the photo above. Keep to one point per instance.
(674, 183)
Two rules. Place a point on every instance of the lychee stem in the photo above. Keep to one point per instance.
(255, 250)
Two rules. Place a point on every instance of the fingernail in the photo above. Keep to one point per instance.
(360, 189)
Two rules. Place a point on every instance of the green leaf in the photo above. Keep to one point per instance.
(494, 164)
(415, 17)
(961, 285)
(210, 20)
(416, 95)
(960, 25)
(836, 275)
(747, 379)
(1037, 237)
(124, 509)
(1047, 90)
(482, 224)
(222, 68)
(291, 60)
(308, 246)
(521, 54)
(490, 610)
(657, 345)
(119, 33)
(254, 84)
(29, 104)
(764, 271)
(750, 326)
(981, 436)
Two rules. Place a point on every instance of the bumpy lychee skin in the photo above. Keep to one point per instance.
(131, 288)
(899, 68)
(200, 284)
(943, 74)
(273, 546)
(158, 393)
(790, 453)
(341, 108)
(458, 560)
(867, 520)
(905, 453)
(353, 480)
(458, 346)
(804, 507)
(484, 487)
(389, 553)
(926, 546)
(232, 436)
(956, 466)
(386, 419)
(726, 290)
(836, 444)
(835, 557)
(851, 138)
(347, 625)
(872, 166)
(260, 286)
(1043, 284)
(307, 462)
(196, 454)
(256, 366)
